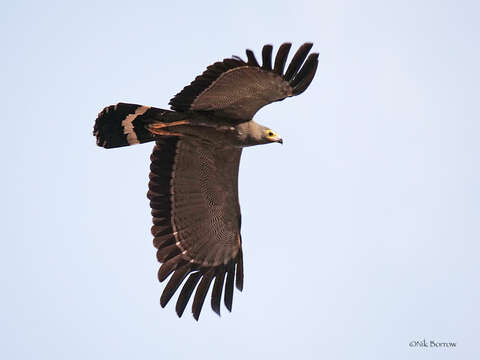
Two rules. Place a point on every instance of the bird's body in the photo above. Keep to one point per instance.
(216, 131)
(193, 187)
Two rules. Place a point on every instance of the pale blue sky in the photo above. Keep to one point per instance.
(360, 233)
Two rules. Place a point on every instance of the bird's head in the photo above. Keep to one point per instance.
(272, 136)
(252, 133)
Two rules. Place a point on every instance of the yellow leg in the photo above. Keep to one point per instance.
(157, 128)
(165, 133)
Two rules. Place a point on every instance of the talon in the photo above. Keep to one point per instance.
(164, 125)
(164, 132)
(157, 128)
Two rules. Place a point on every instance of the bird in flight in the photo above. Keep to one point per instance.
(193, 188)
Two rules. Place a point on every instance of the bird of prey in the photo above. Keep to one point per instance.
(193, 188)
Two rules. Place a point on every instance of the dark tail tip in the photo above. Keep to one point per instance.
(122, 125)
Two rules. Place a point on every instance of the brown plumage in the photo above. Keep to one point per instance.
(193, 188)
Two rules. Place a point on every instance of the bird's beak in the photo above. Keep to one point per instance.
(277, 139)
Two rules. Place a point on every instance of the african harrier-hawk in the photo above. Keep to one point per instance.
(194, 170)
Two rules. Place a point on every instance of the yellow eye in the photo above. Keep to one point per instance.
(270, 133)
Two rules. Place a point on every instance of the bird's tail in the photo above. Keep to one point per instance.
(126, 124)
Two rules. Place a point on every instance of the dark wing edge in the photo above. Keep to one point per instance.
(298, 77)
(184, 99)
(169, 253)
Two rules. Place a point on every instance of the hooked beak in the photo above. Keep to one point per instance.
(277, 139)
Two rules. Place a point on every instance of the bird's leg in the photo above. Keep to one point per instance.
(165, 133)
(158, 128)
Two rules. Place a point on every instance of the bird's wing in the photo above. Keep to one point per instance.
(193, 194)
(236, 89)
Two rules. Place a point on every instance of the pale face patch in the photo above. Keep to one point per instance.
(272, 136)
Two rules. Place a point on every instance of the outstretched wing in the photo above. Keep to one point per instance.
(236, 89)
(193, 194)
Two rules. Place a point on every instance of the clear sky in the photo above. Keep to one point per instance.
(361, 233)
